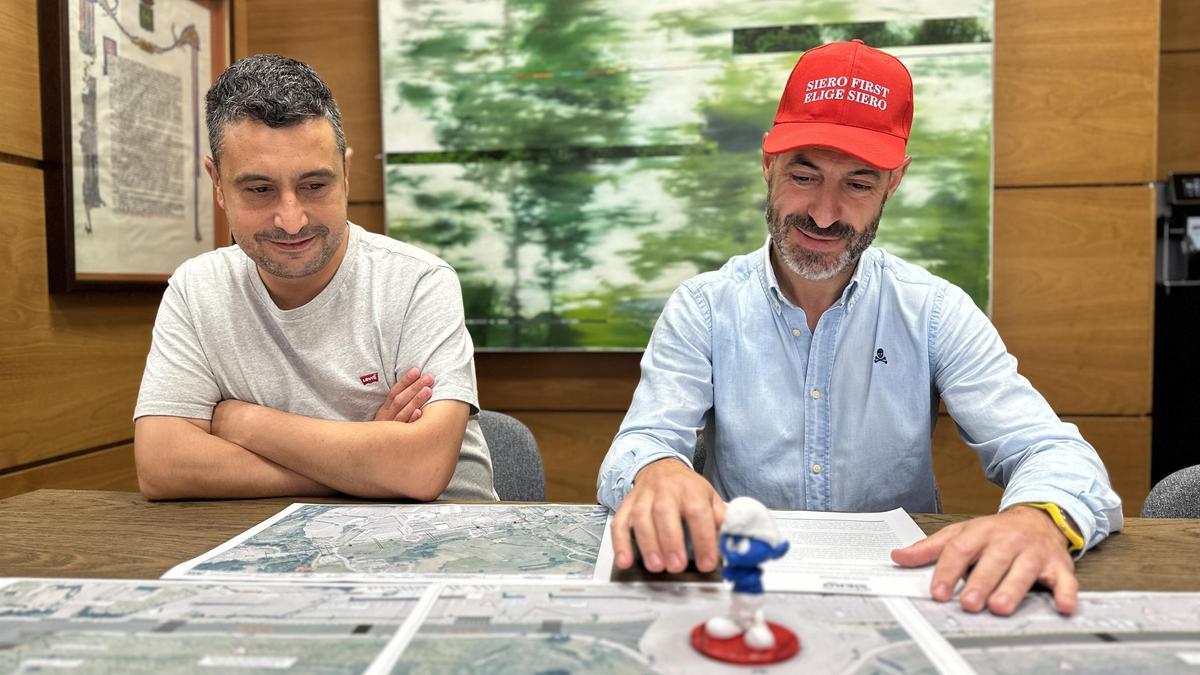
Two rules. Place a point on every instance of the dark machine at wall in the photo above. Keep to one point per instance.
(1176, 442)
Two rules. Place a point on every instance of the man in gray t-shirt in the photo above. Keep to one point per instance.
(312, 357)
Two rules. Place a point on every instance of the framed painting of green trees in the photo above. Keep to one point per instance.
(575, 160)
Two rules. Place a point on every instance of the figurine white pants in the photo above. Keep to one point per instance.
(745, 616)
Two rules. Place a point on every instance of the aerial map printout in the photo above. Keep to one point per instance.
(126, 626)
(86, 626)
(494, 542)
(643, 628)
(1109, 633)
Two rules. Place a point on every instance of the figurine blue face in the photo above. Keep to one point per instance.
(742, 551)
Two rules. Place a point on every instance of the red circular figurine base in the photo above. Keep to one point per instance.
(734, 650)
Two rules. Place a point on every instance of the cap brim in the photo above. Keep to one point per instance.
(883, 151)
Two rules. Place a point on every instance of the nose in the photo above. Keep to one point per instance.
(290, 216)
(825, 209)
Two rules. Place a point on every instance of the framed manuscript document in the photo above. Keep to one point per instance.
(124, 137)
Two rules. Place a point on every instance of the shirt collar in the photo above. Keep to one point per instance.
(770, 283)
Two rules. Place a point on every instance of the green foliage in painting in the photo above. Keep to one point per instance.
(575, 164)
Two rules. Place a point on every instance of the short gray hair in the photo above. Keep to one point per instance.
(271, 89)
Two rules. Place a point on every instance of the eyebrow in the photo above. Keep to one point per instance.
(865, 171)
(326, 174)
(250, 178)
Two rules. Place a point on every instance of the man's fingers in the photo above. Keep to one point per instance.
(622, 546)
(718, 506)
(668, 522)
(418, 399)
(404, 382)
(391, 406)
(702, 528)
(1023, 571)
(984, 578)
(957, 554)
(647, 539)
(1062, 580)
(925, 551)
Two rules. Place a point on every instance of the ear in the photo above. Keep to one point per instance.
(781, 549)
(897, 175)
(346, 169)
(215, 175)
(767, 161)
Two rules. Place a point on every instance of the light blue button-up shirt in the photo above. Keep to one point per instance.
(841, 418)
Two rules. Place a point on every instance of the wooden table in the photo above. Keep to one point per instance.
(79, 533)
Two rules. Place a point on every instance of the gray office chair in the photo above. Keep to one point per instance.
(1176, 496)
(516, 460)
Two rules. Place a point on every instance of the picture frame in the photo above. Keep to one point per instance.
(123, 82)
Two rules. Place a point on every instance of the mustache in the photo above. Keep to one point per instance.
(837, 229)
(280, 235)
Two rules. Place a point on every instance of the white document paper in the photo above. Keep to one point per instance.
(847, 553)
(332, 543)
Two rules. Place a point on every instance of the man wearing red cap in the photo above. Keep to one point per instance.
(814, 368)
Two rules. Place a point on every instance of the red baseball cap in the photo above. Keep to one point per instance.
(849, 97)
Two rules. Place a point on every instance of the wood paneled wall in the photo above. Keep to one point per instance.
(69, 366)
(1179, 93)
(1076, 142)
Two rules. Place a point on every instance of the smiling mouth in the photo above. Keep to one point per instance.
(814, 241)
(810, 235)
(292, 245)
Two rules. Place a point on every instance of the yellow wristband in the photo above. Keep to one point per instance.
(1051, 509)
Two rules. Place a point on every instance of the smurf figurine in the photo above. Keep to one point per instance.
(749, 537)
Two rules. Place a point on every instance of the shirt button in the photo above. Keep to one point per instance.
(796, 332)
(815, 393)
(816, 468)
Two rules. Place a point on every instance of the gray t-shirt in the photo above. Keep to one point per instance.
(389, 307)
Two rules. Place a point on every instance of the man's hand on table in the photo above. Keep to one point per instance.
(1010, 551)
(665, 494)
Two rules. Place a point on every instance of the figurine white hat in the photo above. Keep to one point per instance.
(747, 517)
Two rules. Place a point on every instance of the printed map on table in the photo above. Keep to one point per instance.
(496, 542)
(1109, 633)
(125, 626)
(643, 628)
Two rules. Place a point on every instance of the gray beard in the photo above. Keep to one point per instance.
(815, 265)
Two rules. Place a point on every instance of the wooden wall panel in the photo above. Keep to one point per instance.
(573, 445)
(20, 92)
(1073, 294)
(1179, 112)
(110, 469)
(69, 366)
(369, 215)
(1123, 443)
(340, 40)
(1076, 91)
(1180, 25)
(597, 381)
